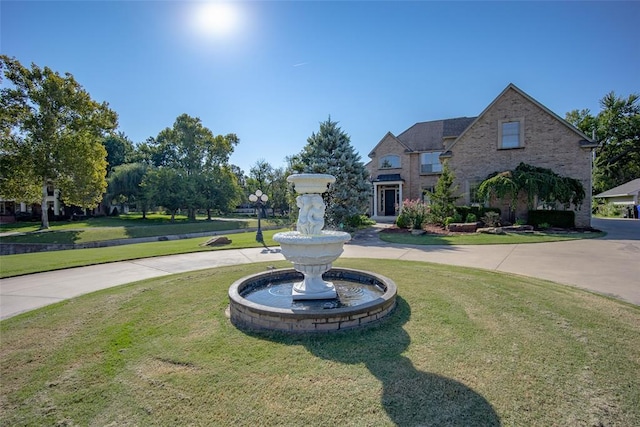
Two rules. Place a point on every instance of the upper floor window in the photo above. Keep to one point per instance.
(390, 161)
(430, 162)
(511, 134)
(426, 194)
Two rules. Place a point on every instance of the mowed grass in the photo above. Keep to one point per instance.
(123, 227)
(15, 265)
(463, 348)
(485, 239)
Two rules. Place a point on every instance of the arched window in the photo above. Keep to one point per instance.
(390, 161)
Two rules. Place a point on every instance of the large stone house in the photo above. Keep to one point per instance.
(514, 128)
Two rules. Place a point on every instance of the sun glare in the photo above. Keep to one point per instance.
(214, 18)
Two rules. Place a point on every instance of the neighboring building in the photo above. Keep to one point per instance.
(10, 210)
(626, 195)
(514, 128)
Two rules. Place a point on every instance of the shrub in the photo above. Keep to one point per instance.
(413, 214)
(520, 221)
(403, 220)
(471, 217)
(448, 220)
(358, 221)
(491, 219)
(608, 210)
(562, 219)
(478, 211)
(544, 225)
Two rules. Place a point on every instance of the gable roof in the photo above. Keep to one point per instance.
(585, 143)
(627, 189)
(429, 136)
(392, 136)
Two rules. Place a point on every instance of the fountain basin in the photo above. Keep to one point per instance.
(316, 315)
(312, 255)
(311, 183)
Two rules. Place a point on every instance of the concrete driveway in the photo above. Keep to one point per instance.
(610, 265)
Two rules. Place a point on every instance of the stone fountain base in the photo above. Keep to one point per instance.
(314, 316)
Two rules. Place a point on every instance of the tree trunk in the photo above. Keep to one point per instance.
(173, 215)
(43, 206)
(209, 214)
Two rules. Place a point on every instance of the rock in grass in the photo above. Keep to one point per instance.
(217, 241)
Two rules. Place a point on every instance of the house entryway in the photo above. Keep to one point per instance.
(387, 196)
(389, 202)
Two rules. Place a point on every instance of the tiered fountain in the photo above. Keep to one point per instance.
(312, 296)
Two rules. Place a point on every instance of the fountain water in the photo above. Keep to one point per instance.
(300, 299)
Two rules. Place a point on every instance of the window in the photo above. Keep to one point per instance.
(426, 194)
(511, 134)
(390, 161)
(474, 199)
(430, 162)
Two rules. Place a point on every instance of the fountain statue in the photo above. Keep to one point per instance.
(313, 296)
(310, 248)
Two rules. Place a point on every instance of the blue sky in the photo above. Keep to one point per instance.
(272, 71)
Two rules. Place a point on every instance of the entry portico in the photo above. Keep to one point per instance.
(387, 195)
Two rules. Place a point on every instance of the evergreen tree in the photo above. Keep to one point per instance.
(329, 151)
(443, 198)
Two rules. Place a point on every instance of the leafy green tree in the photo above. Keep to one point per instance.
(220, 190)
(279, 190)
(125, 186)
(168, 188)
(330, 151)
(119, 150)
(443, 197)
(617, 128)
(192, 150)
(260, 177)
(52, 133)
(534, 182)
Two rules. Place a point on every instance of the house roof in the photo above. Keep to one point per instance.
(429, 136)
(389, 177)
(586, 142)
(626, 189)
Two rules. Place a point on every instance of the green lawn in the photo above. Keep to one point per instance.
(484, 239)
(15, 265)
(123, 227)
(464, 348)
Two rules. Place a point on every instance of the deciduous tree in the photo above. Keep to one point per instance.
(52, 133)
(617, 128)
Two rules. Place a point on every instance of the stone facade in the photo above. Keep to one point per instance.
(545, 140)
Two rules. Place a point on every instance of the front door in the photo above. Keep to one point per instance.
(389, 202)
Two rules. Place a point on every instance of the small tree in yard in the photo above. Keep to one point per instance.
(443, 198)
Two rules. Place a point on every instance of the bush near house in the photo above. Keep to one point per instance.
(478, 211)
(554, 218)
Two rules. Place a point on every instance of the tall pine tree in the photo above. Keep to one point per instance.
(329, 151)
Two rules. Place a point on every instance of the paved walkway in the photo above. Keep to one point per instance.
(610, 265)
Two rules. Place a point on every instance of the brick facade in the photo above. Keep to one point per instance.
(548, 142)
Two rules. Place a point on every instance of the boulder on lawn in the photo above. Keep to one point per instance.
(217, 241)
(463, 227)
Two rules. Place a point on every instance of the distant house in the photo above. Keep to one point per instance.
(626, 195)
(514, 128)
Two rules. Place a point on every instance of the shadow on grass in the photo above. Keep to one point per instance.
(410, 397)
(45, 237)
(183, 228)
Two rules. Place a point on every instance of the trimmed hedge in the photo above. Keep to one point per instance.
(478, 211)
(562, 219)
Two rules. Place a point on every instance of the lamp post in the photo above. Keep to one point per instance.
(259, 198)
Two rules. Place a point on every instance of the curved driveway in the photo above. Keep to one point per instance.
(610, 265)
